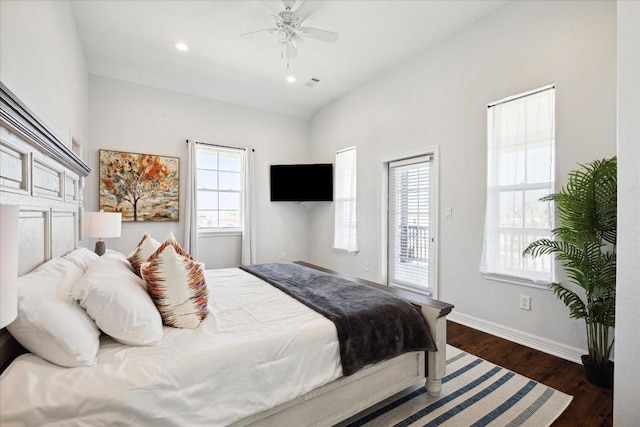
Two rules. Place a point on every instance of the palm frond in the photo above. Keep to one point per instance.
(585, 245)
(577, 307)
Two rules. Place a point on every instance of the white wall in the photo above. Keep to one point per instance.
(439, 98)
(627, 381)
(135, 118)
(42, 62)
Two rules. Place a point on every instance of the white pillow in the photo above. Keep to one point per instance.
(50, 323)
(118, 301)
(81, 257)
(118, 257)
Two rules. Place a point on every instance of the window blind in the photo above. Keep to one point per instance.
(410, 223)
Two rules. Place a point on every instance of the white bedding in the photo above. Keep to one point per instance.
(256, 349)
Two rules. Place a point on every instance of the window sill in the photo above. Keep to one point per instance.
(344, 251)
(420, 291)
(211, 233)
(516, 280)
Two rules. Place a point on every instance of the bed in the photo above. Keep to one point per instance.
(260, 357)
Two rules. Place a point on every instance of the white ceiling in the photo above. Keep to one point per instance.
(134, 41)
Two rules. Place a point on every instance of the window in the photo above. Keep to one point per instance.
(219, 183)
(346, 225)
(521, 159)
(411, 254)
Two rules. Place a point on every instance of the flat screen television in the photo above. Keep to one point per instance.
(302, 183)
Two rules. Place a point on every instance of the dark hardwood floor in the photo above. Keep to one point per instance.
(591, 405)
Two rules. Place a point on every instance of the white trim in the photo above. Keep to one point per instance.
(383, 273)
(554, 348)
(411, 160)
(515, 280)
(344, 251)
(435, 161)
(219, 233)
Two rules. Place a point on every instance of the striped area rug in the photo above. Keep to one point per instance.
(474, 393)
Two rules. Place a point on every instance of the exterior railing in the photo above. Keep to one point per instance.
(414, 243)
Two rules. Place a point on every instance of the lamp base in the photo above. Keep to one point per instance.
(101, 247)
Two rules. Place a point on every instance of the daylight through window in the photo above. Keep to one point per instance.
(521, 159)
(345, 237)
(411, 258)
(219, 182)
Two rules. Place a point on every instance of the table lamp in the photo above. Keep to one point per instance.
(102, 225)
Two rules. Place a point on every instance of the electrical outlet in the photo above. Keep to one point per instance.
(283, 256)
(525, 302)
(367, 266)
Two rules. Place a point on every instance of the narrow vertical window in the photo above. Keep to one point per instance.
(520, 170)
(346, 225)
(219, 183)
(411, 257)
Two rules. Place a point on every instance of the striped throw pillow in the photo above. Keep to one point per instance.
(147, 246)
(176, 284)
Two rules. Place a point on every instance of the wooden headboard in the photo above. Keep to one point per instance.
(39, 173)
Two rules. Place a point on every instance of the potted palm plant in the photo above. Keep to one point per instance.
(585, 246)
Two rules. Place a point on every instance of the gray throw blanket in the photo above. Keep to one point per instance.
(372, 325)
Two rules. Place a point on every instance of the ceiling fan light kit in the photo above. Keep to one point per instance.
(289, 27)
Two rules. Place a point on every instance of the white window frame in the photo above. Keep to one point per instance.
(431, 158)
(221, 231)
(491, 265)
(345, 237)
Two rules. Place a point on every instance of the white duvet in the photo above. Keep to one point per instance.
(256, 349)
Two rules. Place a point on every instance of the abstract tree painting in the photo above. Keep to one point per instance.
(143, 187)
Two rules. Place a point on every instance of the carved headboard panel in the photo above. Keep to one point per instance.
(39, 173)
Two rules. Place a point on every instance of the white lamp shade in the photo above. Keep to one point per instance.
(102, 224)
(9, 224)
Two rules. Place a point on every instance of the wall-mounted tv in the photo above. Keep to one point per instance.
(302, 183)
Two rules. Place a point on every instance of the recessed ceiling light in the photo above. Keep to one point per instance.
(291, 79)
(181, 46)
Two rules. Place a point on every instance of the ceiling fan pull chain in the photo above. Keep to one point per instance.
(287, 55)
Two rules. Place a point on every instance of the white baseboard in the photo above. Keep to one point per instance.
(542, 344)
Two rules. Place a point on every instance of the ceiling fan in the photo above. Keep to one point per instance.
(289, 26)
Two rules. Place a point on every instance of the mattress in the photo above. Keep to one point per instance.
(257, 348)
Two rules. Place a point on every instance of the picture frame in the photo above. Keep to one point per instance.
(142, 187)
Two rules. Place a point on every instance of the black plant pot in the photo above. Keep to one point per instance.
(600, 375)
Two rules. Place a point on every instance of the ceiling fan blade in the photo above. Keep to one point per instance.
(269, 30)
(271, 7)
(297, 40)
(305, 9)
(288, 3)
(318, 34)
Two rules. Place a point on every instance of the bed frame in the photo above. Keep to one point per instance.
(45, 178)
(348, 396)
